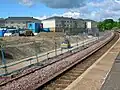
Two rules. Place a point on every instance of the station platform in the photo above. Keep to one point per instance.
(104, 74)
(112, 82)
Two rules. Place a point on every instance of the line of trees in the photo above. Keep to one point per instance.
(109, 24)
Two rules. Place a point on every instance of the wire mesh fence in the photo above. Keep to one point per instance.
(20, 52)
(30, 50)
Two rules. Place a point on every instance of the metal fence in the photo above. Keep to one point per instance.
(18, 60)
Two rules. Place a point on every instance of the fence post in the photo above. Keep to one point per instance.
(30, 61)
(55, 47)
(36, 51)
(61, 50)
(83, 44)
(47, 55)
(4, 60)
(98, 37)
(77, 41)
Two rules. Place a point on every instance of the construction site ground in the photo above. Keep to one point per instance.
(94, 77)
(17, 48)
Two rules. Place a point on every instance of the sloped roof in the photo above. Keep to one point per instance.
(57, 17)
(2, 20)
(21, 18)
(89, 20)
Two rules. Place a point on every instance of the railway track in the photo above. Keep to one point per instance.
(66, 78)
(40, 76)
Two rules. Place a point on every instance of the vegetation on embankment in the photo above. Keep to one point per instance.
(109, 24)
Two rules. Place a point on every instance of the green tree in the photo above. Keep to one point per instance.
(108, 26)
(108, 21)
(119, 20)
(101, 26)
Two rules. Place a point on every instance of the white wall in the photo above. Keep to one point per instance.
(89, 25)
(48, 23)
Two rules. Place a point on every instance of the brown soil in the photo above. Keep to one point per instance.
(17, 48)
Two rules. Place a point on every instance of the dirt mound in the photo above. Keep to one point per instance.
(18, 48)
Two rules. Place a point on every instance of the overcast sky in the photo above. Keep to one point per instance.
(41, 9)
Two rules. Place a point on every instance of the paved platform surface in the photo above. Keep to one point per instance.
(95, 76)
(113, 80)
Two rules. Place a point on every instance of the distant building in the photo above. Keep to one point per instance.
(58, 24)
(91, 22)
(2, 22)
(91, 27)
(19, 22)
(80, 23)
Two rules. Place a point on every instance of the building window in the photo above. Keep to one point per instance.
(56, 21)
(12, 22)
(67, 21)
(30, 25)
(60, 25)
(18, 22)
(24, 23)
(74, 21)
